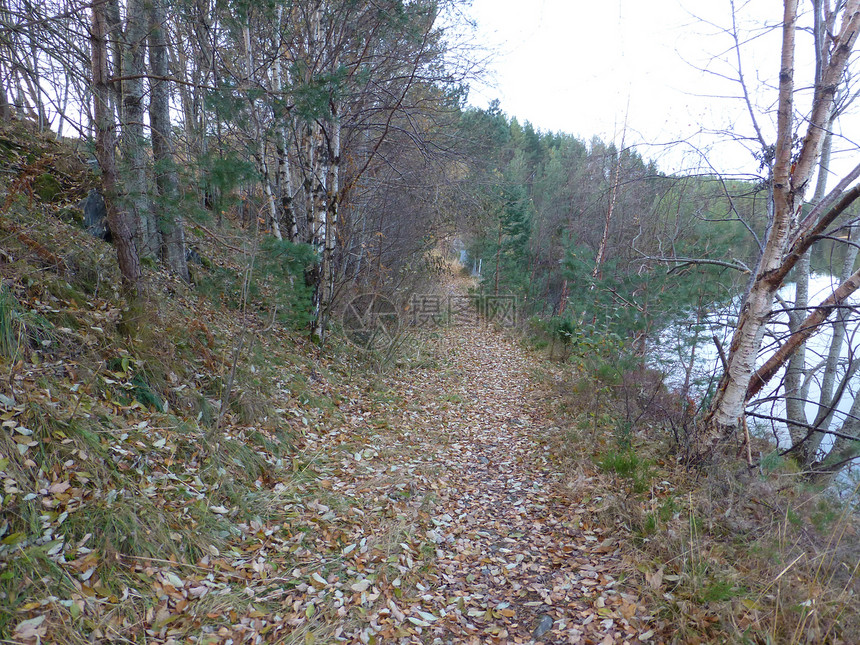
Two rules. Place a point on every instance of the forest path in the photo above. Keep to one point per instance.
(468, 533)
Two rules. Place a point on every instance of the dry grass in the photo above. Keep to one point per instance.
(726, 553)
(103, 501)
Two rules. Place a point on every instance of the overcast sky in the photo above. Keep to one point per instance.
(584, 66)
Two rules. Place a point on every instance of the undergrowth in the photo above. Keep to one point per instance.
(725, 552)
(164, 488)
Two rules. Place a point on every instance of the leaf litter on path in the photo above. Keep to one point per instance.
(485, 547)
(428, 510)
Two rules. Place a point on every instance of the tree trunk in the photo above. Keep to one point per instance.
(498, 259)
(790, 179)
(5, 109)
(285, 187)
(845, 448)
(262, 148)
(285, 184)
(607, 224)
(808, 327)
(827, 404)
(129, 263)
(562, 301)
(796, 383)
(318, 219)
(33, 78)
(795, 406)
(132, 144)
(309, 173)
(267, 189)
(171, 224)
(114, 36)
(327, 267)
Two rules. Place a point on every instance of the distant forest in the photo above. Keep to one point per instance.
(340, 132)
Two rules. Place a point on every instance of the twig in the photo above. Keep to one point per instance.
(219, 237)
(183, 564)
(747, 442)
(721, 352)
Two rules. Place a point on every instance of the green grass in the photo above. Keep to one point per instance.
(19, 328)
(627, 465)
(29, 564)
(721, 590)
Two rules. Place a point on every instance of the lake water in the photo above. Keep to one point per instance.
(693, 336)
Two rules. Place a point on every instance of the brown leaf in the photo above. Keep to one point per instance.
(31, 630)
(655, 580)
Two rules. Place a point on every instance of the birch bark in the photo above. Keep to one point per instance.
(790, 179)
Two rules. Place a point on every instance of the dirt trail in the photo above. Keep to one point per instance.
(481, 544)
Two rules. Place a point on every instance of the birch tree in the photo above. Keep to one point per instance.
(357, 65)
(789, 236)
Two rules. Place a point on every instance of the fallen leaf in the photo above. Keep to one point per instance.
(30, 629)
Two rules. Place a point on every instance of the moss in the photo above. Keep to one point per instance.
(47, 188)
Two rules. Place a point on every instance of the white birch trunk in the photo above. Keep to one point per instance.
(327, 268)
(285, 185)
(789, 183)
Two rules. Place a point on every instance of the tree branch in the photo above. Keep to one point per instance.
(806, 329)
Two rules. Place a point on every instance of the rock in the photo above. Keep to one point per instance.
(95, 215)
(483, 460)
(544, 625)
(192, 255)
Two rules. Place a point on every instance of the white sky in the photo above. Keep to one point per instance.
(576, 65)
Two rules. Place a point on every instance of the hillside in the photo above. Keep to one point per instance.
(217, 478)
(322, 503)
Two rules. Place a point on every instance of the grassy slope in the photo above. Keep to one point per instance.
(132, 508)
(129, 513)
